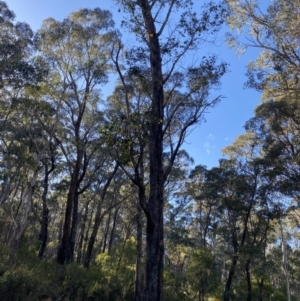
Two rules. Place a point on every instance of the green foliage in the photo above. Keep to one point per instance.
(45, 280)
(119, 274)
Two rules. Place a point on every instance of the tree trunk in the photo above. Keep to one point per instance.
(44, 223)
(154, 214)
(70, 216)
(139, 249)
(285, 262)
(112, 233)
(98, 218)
(73, 231)
(44, 231)
(91, 242)
(226, 296)
(86, 236)
(248, 278)
(19, 227)
(62, 251)
(81, 234)
(106, 232)
(260, 289)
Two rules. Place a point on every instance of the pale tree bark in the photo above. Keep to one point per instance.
(285, 262)
(138, 290)
(20, 227)
(82, 231)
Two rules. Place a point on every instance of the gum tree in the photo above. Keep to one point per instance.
(78, 48)
(174, 93)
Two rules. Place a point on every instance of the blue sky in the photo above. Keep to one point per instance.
(223, 123)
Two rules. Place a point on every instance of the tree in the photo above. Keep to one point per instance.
(23, 142)
(275, 31)
(79, 50)
(161, 53)
(17, 70)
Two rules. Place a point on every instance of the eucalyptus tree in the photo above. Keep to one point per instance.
(276, 129)
(126, 132)
(252, 210)
(172, 91)
(17, 70)
(23, 137)
(274, 30)
(204, 228)
(78, 49)
(236, 197)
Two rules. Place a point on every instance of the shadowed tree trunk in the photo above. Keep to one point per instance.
(82, 231)
(106, 232)
(98, 218)
(44, 222)
(71, 200)
(112, 233)
(248, 278)
(154, 210)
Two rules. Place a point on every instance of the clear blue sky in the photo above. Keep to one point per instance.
(224, 122)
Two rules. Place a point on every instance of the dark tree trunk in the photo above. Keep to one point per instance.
(91, 241)
(248, 278)
(64, 244)
(106, 232)
(44, 222)
(260, 289)
(69, 229)
(236, 246)
(112, 233)
(234, 260)
(203, 285)
(44, 231)
(98, 218)
(73, 231)
(154, 212)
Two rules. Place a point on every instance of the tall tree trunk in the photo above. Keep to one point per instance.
(154, 214)
(70, 216)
